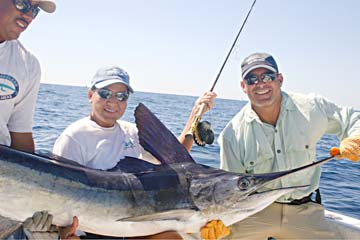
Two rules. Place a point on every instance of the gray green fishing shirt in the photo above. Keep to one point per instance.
(247, 145)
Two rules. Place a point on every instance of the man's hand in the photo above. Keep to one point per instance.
(68, 232)
(39, 226)
(201, 105)
(350, 148)
(214, 229)
(208, 98)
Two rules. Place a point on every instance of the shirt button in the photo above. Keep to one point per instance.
(278, 151)
(307, 146)
(276, 130)
(251, 163)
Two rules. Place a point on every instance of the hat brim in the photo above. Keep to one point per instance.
(256, 67)
(46, 5)
(108, 82)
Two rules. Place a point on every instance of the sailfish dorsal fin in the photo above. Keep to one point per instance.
(157, 139)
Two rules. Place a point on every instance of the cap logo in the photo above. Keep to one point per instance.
(254, 59)
(116, 73)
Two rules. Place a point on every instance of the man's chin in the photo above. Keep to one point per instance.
(14, 35)
(261, 103)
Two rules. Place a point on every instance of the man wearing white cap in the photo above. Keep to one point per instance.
(19, 72)
(91, 140)
(101, 140)
(19, 78)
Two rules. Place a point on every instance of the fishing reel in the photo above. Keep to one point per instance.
(203, 134)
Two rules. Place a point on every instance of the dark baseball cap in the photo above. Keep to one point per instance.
(258, 60)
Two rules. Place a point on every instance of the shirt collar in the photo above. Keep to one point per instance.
(287, 103)
(3, 44)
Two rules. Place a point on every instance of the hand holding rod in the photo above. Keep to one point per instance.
(205, 134)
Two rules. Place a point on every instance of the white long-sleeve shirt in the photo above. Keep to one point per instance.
(247, 145)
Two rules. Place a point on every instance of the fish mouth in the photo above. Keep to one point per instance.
(259, 200)
(254, 203)
(262, 199)
(258, 181)
(290, 189)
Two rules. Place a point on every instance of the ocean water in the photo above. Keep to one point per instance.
(58, 106)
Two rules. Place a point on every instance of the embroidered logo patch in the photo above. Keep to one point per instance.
(129, 144)
(9, 87)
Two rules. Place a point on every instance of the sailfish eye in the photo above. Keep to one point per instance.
(243, 184)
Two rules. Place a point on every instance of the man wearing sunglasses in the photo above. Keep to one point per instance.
(19, 72)
(278, 131)
(101, 140)
(19, 77)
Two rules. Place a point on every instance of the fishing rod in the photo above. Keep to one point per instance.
(202, 131)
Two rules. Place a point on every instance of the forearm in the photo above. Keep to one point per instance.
(186, 137)
(22, 141)
(201, 105)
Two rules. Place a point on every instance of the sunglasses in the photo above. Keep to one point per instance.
(107, 94)
(25, 6)
(252, 79)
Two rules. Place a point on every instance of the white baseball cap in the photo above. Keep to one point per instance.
(109, 75)
(48, 6)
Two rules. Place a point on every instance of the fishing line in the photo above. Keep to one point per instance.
(202, 131)
(232, 47)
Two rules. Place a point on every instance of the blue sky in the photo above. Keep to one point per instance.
(178, 46)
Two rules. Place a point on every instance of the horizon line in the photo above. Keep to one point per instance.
(176, 94)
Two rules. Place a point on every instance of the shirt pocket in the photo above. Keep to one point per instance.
(261, 163)
(301, 150)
